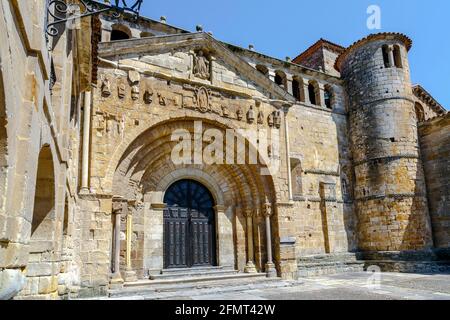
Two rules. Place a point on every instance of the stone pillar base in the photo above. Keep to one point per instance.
(271, 270)
(130, 276)
(84, 191)
(250, 267)
(116, 282)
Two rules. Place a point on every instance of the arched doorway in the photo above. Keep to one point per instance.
(189, 226)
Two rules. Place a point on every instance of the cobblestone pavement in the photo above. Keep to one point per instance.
(353, 286)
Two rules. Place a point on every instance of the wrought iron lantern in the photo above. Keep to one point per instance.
(60, 12)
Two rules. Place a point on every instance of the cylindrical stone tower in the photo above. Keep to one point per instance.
(390, 194)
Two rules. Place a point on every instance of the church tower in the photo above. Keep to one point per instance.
(390, 193)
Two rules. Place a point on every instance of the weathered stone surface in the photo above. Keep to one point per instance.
(342, 164)
(11, 283)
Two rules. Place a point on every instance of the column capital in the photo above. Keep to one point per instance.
(219, 208)
(158, 206)
(248, 213)
(119, 205)
(267, 209)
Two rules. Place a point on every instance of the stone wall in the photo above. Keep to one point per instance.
(435, 151)
(390, 192)
(38, 194)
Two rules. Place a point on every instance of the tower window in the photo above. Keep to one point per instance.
(397, 57)
(387, 64)
(296, 88)
(328, 94)
(120, 32)
(280, 79)
(313, 91)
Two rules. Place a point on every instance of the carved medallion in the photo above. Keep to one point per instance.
(202, 97)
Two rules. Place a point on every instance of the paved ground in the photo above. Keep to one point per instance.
(353, 286)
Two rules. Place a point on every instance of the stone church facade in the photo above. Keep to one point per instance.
(352, 160)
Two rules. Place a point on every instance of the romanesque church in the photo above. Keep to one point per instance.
(331, 161)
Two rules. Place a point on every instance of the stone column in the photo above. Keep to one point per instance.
(321, 95)
(119, 206)
(289, 80)
(250, 267)
(270, 267)
(390, 50)
(212, 66)
(86, 143)
(307, 99)
(288, 151)
(130, 274)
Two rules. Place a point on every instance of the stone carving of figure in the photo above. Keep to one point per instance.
(148, 96)
(260, 117)
(162, 99)
(270, 120)
(225, 112)
(201, 66)
(251, 115)
(239, 114)
(121, 91)
(106, 88)
(135, 92)
(203, 100)
(277, 119)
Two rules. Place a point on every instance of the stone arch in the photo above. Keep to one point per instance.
(42, 227)
(144, 170)
(281, 79)
(131, 144)
(397, 56)
(42, 267)
(314, 92)
(297, 88)
(386, 52)
(120, 32)
(192, 174)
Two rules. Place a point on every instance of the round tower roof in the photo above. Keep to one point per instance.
(373, 37)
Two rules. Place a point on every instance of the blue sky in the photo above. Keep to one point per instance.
(286, 28)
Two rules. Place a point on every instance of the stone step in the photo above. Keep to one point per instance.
(195, 270)
(192, 274)
(168, 289)
(327, 264)
(341, 257)
(196, 278)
